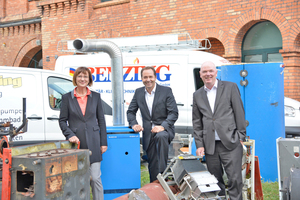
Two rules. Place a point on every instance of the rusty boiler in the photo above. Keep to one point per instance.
(55, 173)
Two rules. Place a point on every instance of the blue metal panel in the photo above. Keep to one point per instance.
(219, 73)
(232, 73)
(265, 113)
(194, 149)
(119, 129)
(263, 100)
(121, 163)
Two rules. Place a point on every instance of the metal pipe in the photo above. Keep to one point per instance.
(22, 22)
(116, 69)
(24, 117)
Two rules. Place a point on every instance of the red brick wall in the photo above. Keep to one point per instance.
(216, 47)
(223, 21)
(16, 7)
(291, 81)
(17, 41)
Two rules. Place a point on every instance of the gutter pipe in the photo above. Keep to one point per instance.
(22, 22)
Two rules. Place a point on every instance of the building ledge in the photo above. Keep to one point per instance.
(48, 2)
(110, 3)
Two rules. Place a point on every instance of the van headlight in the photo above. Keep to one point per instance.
(289, 111)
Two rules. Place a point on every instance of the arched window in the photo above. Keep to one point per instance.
(262, 44)
(37, 61)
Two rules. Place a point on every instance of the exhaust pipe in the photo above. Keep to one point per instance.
(116, 69)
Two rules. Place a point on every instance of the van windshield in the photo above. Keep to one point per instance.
(56, 88)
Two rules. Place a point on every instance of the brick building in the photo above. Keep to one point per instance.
(240, 31)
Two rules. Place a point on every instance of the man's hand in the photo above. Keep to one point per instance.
(103, 149)
(137, 128)
(74, 139)
(157, 129)
(200, 151)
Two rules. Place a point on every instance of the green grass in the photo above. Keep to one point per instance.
(270, 190)
(144, 175)
(91, 195)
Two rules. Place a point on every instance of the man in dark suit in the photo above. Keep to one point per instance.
(220, 129)
(159, 113)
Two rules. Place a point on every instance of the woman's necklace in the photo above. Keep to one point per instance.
(81, 95)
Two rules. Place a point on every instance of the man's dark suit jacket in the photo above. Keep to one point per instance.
(164, 112)
(228, 118)
(90, 128)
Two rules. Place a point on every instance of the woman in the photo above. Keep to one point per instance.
(82, 119)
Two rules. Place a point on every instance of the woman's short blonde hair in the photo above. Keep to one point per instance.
(83, 70)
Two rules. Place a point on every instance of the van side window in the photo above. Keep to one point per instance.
(197, 80)
(56, 88)
(59, 86)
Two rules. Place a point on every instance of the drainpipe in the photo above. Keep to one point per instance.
(116, 69)
(21, 22)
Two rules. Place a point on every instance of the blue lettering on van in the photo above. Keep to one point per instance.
(131, 73)
(129, 91)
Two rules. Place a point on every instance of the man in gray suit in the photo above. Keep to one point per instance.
(220, 129)
(159, 113)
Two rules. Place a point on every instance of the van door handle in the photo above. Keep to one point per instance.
(52, 118)
(38, 118)
(180, 104)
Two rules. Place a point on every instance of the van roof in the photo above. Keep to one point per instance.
(197, 57)
(31, 70)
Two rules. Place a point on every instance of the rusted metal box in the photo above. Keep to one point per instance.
(52, 174)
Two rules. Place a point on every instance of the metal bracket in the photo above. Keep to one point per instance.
(244, 83)
(166, 187)
(244, 73)
(247, 123)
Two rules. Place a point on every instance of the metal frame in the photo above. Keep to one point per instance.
(183, 41)
(248, 183)
(162, 177)
(251, 160)
(6, 174)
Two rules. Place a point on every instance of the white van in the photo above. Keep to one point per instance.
(43, 90)
(292, 117)
(178, 69)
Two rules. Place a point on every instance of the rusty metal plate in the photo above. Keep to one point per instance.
(21, 150)
(53, 184)
(53, 166)
(69, 163)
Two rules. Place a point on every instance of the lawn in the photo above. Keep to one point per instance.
(270, 190)
(144, 175)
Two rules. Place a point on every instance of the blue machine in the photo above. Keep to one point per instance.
(120, 167)
(262, 91)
